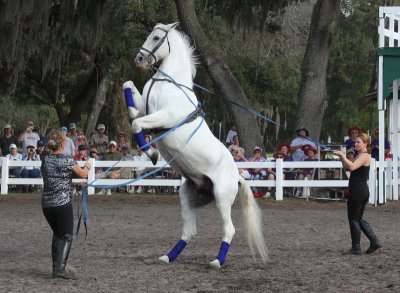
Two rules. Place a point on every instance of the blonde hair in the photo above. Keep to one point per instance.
(55, 139)
(365, 138)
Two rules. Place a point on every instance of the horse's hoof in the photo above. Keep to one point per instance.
(164, 258)
(154, 158)
(215, 264)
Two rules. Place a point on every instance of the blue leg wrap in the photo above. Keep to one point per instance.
(173, 254)
(129, 98)
(141, 142)
(223, 250)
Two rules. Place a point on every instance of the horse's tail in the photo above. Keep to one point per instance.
(253, 220)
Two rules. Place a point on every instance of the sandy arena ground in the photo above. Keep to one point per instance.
(128, 233)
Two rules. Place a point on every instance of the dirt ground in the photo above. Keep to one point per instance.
(128, 233)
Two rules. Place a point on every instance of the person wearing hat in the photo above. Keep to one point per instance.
(72, 132)
(353, 132)
(303, 173)
(58, 171)
(41, 149)
(111, 155)
(297, 144)
(121, 140)
(81, 154)
(28, 137)
(99, 140)
(139, 171)
(257, 173)
(6, 140)
(359, 195)
(69, 148)
(30, 171)
(13, 155)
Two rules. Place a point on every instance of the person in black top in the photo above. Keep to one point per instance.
(57, 171)
(359, 194)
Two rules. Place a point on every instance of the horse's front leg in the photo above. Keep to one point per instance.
(157, 119)
(133, 100)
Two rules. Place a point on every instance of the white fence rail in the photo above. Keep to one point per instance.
(278, 184)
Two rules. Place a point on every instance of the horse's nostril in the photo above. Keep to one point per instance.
(139, 59)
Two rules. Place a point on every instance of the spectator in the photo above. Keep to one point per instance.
(238, 156)
(6, 140)
(311, 155)
(99, 140)
(140, 171)
(353, 132)
(229, 138)
(375, 146)
(111, 155)
(41, 150)
(297, 144)
(80, 140)
(13, 155)
(121, 140)
(350, 156)
(284, 149)
(69, 148)
(28, 171)
(96, 155)
(28, 137)
(72, 133)
(257, 173)
(271, 173)
(235, 142)
(82, 154)
(126, 172)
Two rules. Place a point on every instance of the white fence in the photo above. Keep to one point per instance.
(321, 167)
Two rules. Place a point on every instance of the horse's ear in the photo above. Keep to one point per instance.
(173, 25)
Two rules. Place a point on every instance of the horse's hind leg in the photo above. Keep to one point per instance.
(224, 203)
(187, 193)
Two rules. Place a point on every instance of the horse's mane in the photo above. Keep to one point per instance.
(194, 59)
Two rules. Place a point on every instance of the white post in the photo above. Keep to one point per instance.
(279, 179)
(4, 175)
(91, 176)
(395, 141)
(372, 183)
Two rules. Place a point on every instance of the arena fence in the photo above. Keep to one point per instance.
(328, 175)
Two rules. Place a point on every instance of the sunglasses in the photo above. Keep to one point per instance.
(112, 146)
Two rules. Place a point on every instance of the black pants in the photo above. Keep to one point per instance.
(359, 194)
(60, 219)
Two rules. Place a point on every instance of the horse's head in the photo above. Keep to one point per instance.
(156, 47)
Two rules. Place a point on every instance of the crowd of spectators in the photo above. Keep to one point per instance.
(30, 145)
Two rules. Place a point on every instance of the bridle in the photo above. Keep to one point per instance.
(151, 53)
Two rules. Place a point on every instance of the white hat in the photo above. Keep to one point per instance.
(7, 126)
(12, 146)
(101, 126)
(72, 126)
(113, 143)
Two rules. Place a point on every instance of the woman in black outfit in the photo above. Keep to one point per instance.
(359, 194)
(57, 171)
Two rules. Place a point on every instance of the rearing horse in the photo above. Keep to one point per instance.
(206, 164)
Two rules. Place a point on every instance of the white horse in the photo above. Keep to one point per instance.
(205, 163)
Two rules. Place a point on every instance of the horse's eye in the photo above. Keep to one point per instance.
(156, 38)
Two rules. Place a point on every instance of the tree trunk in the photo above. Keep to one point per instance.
(312, 93)
(221, 75)
(98, 103)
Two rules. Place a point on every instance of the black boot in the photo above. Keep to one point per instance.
(63, 249)
(54, 251)
(355, 233)
(374, 241)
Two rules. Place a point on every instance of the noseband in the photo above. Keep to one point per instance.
(151, 53)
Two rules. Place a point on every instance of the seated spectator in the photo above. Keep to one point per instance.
(96, 155)
(30, 172)
(6, 140)
(297, 144)
(284, 149)
(111, 155)
(82, 154)
(257, 173)
(121, 140)
(99, 140)
(14, 156)
(72, 133)
(140, 171)
(235, 142)
(41, 150)
(353, 132)
(311, 155)
(375, 146)
(271, 173)
(238, 156)
(126, 172)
